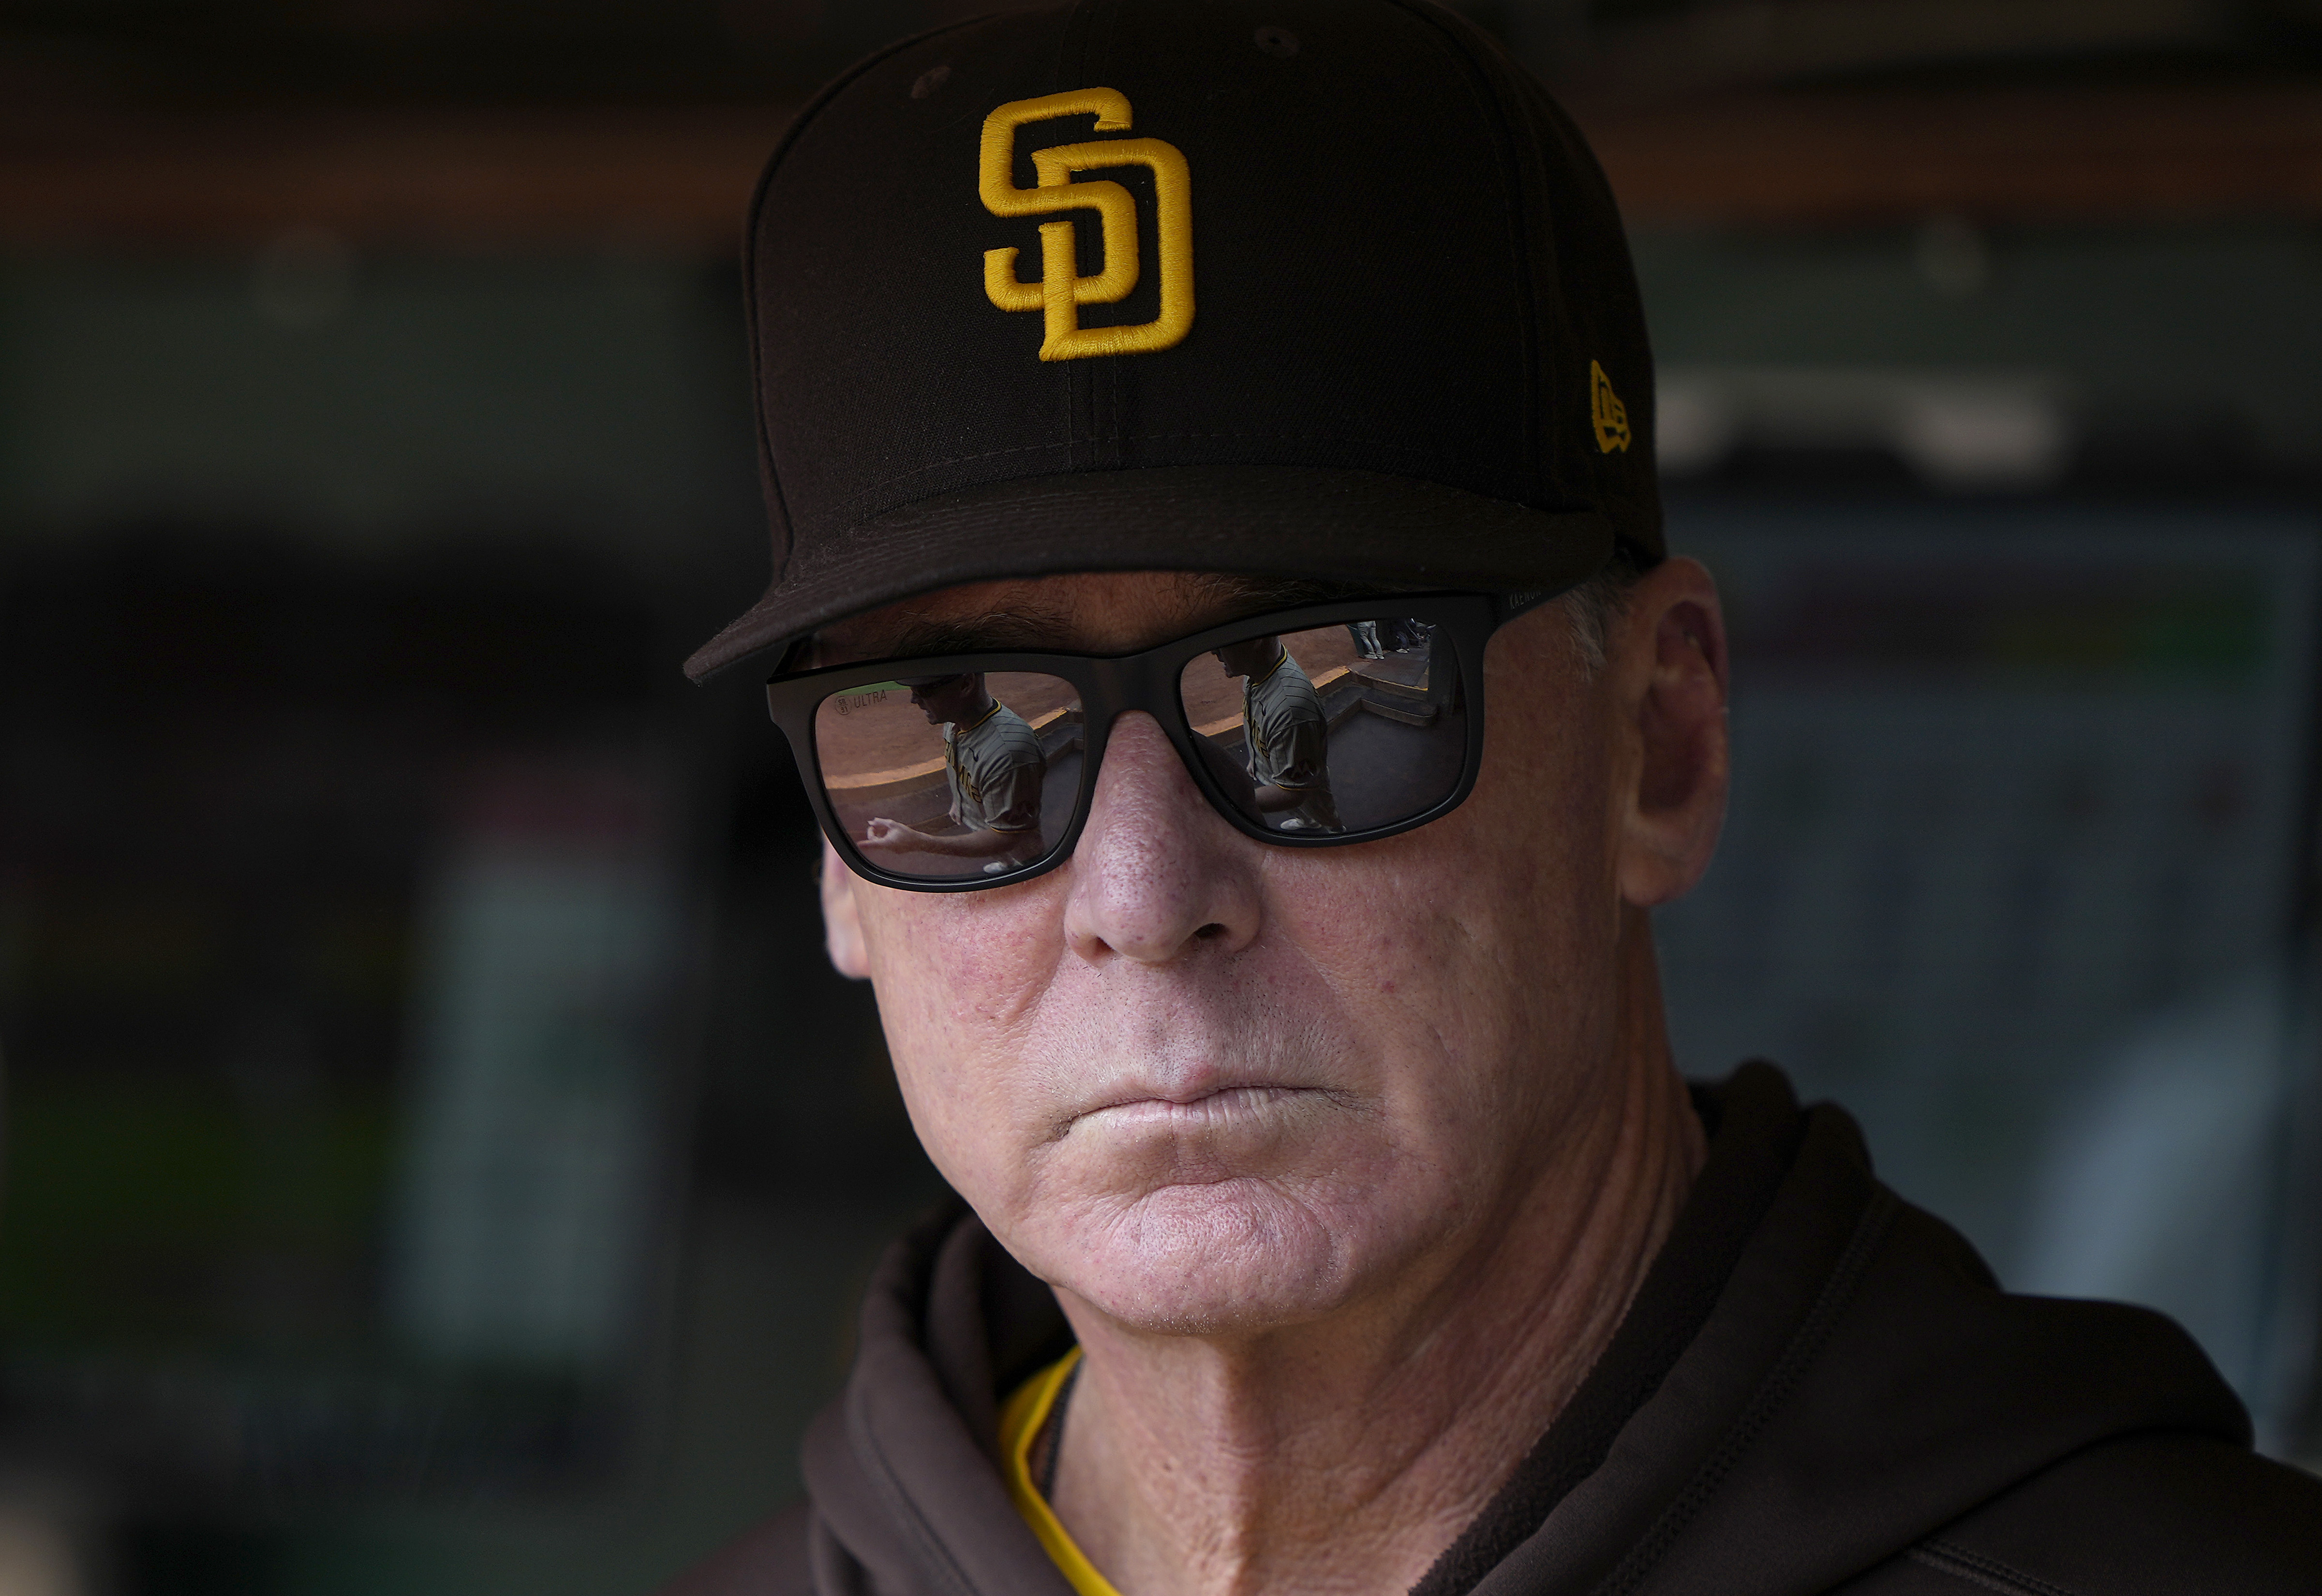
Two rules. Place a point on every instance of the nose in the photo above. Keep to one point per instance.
(1158, 874)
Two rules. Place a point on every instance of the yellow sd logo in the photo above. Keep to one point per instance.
(1061, 290)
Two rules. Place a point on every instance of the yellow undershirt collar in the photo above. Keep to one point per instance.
(1020, 1422)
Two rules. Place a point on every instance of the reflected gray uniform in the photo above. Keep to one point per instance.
(1290, 740)
(996, 767)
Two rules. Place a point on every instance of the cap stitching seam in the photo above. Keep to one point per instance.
(1219, 537)
(1386, 446)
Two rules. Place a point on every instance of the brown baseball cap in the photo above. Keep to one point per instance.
(1309, 287)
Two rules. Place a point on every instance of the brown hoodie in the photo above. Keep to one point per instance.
(1819, 1388)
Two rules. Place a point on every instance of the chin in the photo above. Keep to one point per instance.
(1232, 1257)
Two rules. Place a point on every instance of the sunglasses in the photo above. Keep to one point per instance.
(1311, 728)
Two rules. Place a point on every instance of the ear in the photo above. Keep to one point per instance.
(1668, 667)
(842, 924)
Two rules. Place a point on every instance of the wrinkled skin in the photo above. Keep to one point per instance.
(1388, 1129)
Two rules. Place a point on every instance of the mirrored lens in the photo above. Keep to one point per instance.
(1342, 728)
(951, 777)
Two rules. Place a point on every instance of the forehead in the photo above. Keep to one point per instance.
(1093, 612)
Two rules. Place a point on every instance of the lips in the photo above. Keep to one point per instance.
(1219, 1108)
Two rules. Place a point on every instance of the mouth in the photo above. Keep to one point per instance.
(1225, 1108)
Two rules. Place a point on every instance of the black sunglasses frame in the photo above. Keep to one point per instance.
(1111, 685)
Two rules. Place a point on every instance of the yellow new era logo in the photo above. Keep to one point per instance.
(1061, 290)
(1605, 411)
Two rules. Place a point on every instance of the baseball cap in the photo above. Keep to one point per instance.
(1322, 289)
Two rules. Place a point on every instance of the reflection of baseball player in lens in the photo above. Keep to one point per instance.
(995, 766)
(1289, 737)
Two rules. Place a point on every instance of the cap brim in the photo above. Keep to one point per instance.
(1248, 520)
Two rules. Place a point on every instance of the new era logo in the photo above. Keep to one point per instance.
(1605, 411)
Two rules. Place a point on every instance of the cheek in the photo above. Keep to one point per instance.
(1483, 937)
(1543, 818)
(958, 977)
(955, 961)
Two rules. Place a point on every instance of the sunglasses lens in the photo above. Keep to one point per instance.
(954, 778)
(1332, 730)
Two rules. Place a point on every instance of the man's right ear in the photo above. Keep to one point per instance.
(842, 926)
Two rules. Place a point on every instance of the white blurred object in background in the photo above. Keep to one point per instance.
(1963, 432)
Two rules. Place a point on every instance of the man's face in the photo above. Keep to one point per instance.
(944, 700)
(1246, 658)
(1205, 1084)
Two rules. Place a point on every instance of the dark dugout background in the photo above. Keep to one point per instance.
(436, 1155)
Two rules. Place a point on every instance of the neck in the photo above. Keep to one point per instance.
(1345, 1454)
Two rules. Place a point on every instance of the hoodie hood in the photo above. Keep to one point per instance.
(1813, 1379)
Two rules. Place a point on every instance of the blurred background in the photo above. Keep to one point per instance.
(436, 1157)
